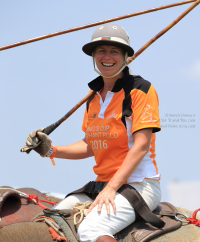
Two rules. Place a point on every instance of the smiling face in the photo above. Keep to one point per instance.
(109, 59)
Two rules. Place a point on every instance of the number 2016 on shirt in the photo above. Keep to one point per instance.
(99, 144)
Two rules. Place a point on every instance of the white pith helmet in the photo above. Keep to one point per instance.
(109, 34)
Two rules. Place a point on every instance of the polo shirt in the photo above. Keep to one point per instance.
(109, 125)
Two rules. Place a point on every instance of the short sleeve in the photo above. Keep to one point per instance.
(145, 106)
(85, 118)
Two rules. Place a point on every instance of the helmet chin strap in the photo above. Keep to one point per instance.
(120, 70)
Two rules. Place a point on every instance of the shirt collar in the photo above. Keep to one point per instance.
(97, 84)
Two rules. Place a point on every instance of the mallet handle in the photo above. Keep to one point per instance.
(53, 126)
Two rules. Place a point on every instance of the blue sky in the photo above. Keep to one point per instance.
(42, 81)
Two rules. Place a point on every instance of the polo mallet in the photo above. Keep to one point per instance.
(94, 24)
(52, 127)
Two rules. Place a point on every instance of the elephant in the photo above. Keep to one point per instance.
(38, 232)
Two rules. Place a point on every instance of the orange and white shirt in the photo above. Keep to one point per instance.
(132, 105)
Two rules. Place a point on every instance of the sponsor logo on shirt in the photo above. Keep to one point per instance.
(93, 115)
(112, 115)
(147, 115)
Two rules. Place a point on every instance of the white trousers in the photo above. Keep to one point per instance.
(97, 224)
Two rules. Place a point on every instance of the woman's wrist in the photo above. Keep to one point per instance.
(114, 186)
(52, 154)
(54, 151)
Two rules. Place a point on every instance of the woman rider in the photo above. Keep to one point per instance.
(119, 124)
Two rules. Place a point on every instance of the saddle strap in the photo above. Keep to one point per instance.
(92, 189)
(140, 206)
(64, 219)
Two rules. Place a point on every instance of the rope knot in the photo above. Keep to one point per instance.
(194, 219)
(83, 208)
(32, 197)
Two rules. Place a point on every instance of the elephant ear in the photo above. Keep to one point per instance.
(10, 201)
(16, 205)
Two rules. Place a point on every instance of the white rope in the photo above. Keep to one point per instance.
(83, 208)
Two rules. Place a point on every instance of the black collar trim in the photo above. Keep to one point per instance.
(97, 84)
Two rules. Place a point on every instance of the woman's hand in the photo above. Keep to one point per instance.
(38, 141)
(107, 196)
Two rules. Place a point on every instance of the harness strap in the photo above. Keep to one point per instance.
(92, 189)
(64, 218)
(140, 206)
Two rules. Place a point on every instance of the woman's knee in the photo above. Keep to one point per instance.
(93, 226)
(85, 232)
(98, 224)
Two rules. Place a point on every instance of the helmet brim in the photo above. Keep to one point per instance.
(89, 48)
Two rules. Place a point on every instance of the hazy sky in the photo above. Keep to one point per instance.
(42, 81)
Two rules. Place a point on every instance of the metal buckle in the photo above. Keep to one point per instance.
(184, 221)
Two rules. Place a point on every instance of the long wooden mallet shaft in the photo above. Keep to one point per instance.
(52, 127)
(151, 41)
(93, 24)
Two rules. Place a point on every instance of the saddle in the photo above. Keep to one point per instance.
(139, 231)
(15, 208)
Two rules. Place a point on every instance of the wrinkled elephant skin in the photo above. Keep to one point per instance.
(25, 232)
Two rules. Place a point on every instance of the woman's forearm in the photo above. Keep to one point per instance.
(78, 150)
(133, 158)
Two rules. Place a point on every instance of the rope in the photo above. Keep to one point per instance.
(194, 219)
(82, 207)
(55, 235)
(37, 199)
(30, 197)
(54, 228)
